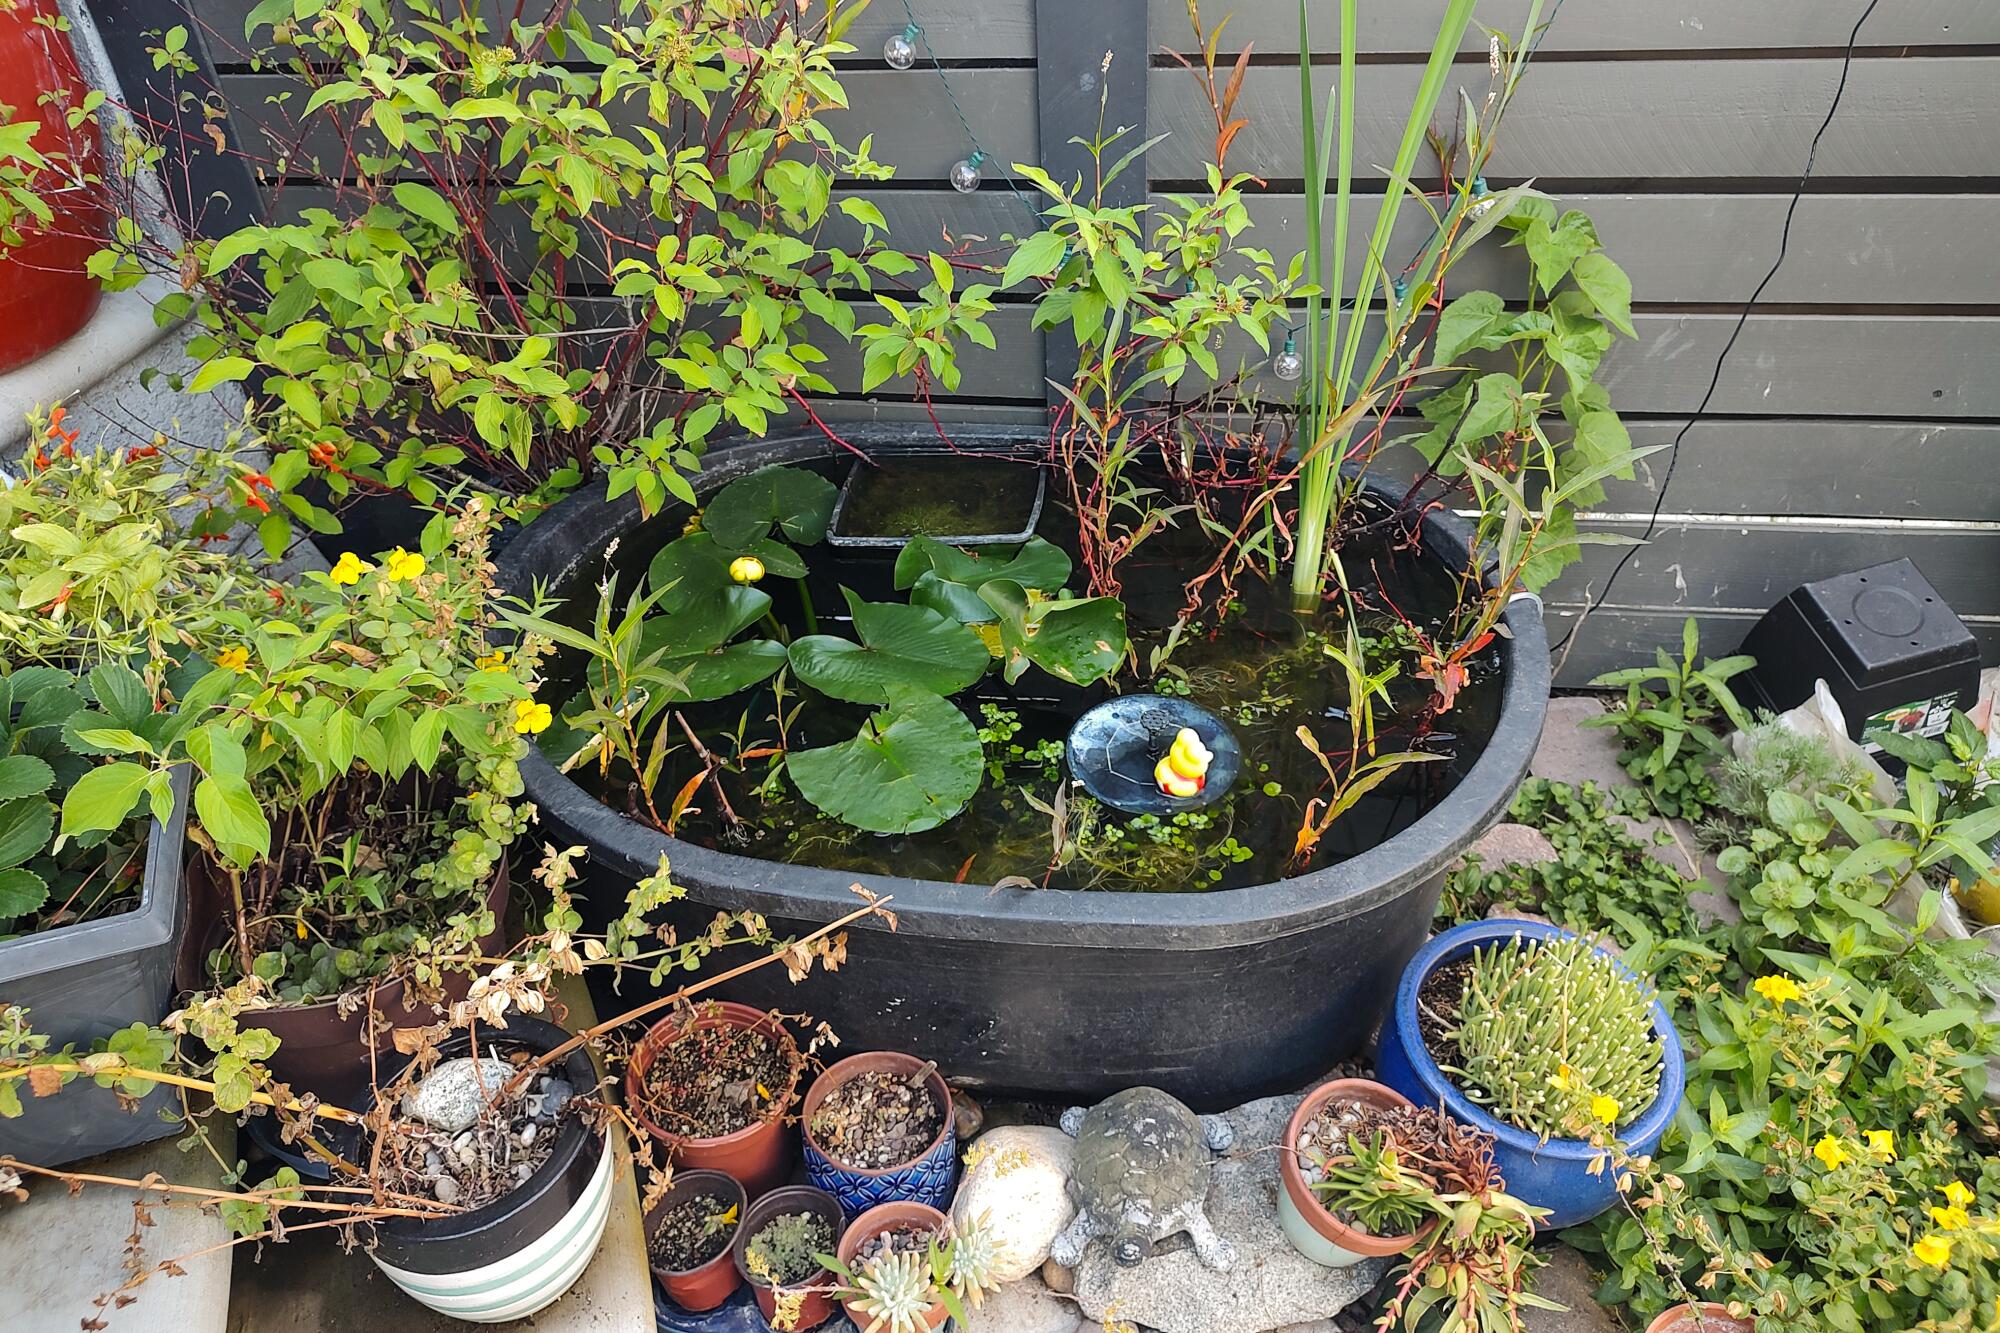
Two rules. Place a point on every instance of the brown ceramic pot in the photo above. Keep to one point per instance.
(1343, 1244)
(1714, 1319)
(320, 1049)
(708, 1285)
(815, 1298)
(897, 1216)
(759, 1155)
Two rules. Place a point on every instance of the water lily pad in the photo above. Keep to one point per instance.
(695, 565)
(910, 646)
(947, 579)
(913, 765)
(699, 661)
(1080, 639)
(799, 502)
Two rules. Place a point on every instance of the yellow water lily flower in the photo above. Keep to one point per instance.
(348, 569)
(746, 569)
(531, 717)
(493, 661)
(1777, 989)
(233, 659)
(1932, 1250)
(1881, 1142)
(1831, 1155)
(1605, 1108)
(402, 565)
(1958, 1195)
(1952, 1218)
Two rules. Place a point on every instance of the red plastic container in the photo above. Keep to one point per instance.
(707, 1285)
(45, 294)
(815, 1300)
(894, 1216)
(758, 1155)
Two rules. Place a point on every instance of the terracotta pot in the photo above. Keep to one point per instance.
(758, 1155)
(45, 294)
(1313, 1231)
(708, 1285)
(815, 1300)
(1715, 1318)
(898, 1216)
(926, 1178)
(320, 1049)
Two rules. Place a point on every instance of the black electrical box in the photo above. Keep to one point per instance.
(1894, 655)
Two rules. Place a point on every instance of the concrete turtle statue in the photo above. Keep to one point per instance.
(1141, 1175)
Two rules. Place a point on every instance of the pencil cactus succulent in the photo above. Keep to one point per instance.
(1556, 1037)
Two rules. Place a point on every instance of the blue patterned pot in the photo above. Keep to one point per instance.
(928, 1179)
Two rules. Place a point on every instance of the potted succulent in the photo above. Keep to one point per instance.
(781, 1250)
(878, 1129)
(1528, 1033)
(905, 1268)
(713, 1083)
(1339, 1163)
(688, 1235)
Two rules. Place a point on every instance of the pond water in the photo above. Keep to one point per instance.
(1264, 670)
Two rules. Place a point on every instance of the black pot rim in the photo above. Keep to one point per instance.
(784, 1199)
(567, 543)
(686, 1182)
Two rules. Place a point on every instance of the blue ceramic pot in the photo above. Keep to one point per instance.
(928, 1179)
(1554, 1175)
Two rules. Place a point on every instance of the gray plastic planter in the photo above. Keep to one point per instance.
(1215, 997)
(84, 982)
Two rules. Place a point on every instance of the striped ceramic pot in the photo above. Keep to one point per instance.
(519, 1253)
(927, 1178)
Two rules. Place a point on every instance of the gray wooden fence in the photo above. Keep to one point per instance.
(1857, 418)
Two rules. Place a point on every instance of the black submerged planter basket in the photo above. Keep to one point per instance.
(1215, 997)
(84, 982)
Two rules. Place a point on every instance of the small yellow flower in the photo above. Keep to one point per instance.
(1563, 1079)
(746, 569)
(1932, 1250)
(531, 717)
(1953, 1218)
(1881, 1142)
(1777, 989)
(233, 659)
(1958, 1195)
(301, 927)
(349, 568)
(493, 661)
(1831, 1155)
(402, 565)
(1605, 1108)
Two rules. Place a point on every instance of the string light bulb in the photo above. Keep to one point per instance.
(965, 172)
(1288, 364)
(900, 50)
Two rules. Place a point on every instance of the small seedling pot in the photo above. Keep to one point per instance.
(516, 1255)
(816, 1304)
(1715, 1318)
(889, 1217)
(708, 1285)
(926, 1178)
(1313, 1230)
(1555, 1173)
(760, 1155)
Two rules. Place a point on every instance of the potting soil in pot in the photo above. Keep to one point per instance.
(716, 1080)
(876, 1120)
(1264, 670)
(692, 1232)
(454, 1142)
(895, 1240)
(1439, 999)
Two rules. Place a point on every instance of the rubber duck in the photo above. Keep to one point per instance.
(1184, 770)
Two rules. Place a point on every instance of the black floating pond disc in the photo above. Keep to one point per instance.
(1113, 749)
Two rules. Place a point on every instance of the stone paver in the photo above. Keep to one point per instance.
(1567, 1280)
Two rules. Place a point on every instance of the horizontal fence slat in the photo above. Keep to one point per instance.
(1615, 635)
(1602, 25)
(1632, 120)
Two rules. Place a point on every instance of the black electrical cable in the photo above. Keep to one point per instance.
(1784, 242)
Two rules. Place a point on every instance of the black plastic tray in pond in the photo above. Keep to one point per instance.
(960, 497)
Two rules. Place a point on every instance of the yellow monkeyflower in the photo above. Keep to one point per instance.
(1932, 1250)
(1563, 1079)
(402, 565)
(746, 569)
(1953, 1218)
(1958, 1195)
(1605, 1108)
(493, 661)
(1881, 1142)
(531, 717)
(1831, 1155)
(1777, 989)
(234, 658)
(349, 568)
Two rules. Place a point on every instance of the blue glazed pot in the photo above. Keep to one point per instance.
(1554, 1175)
(928, 1179)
